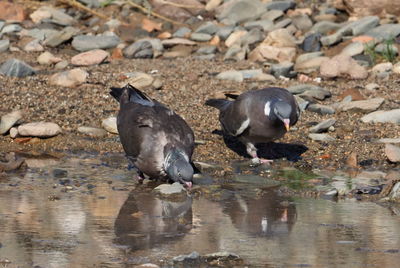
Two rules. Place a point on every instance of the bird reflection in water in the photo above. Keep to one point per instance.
(262, 214)
(145, 220)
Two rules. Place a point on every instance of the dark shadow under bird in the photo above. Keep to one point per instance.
(257, 116)
(157, 141)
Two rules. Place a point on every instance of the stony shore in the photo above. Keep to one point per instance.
(182, 66)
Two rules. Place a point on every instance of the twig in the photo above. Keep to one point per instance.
(78, 5)
(145, 10)
(177, 5)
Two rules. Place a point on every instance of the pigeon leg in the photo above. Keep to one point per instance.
(140, 175)
(252, 151)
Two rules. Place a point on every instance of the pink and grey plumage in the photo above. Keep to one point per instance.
(156, 140)
(257, 116)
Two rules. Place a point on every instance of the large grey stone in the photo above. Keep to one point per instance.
(359, 26)
(88, 42)
(391, 116)
(16, 68)
(237, 11)
(59, 37)
(369, 105)
(207, 27)
(283, 5)
(385, 31)
(325, 27)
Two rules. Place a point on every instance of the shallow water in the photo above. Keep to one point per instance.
(86, 212)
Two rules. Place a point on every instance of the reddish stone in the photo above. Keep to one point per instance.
(11, 12)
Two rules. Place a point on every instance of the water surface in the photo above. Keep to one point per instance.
(87, 212)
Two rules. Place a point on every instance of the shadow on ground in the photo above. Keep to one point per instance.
(271, 150)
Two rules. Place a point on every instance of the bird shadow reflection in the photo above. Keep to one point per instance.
(270, 150)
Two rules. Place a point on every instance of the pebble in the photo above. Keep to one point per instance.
(235, 38)
(240, 11)
(182, 32)
(372, 86)
(282, 5)
(92, 57)
(139, 80)
(33, 46)
(4, 45)
(144, 48)
(323, 126)
(57, 38)
(265, 52)
(315, 92)
(341, 65)
(320, 109)
(16, 68)
(389, 140)
(200, 37)
(369, 105)
(88, 42)
(309, 65)
(110, 124)
(207, 27)
(39, 129)
(232, 75)
(324, 27)
(353, 49)
(390, 116)
(170, 189)
(312, 43)
(320, 137)
(70, 78)
(51, 14)
(9, 120)
(283, 69)
(387, 48)
(383, 67)
(46, 58)
(392, 152)
(92, 131)
(384, 32)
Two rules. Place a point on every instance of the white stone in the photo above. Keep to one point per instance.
(8, 120)
(390, 116)
(39, 129)
(110, 124)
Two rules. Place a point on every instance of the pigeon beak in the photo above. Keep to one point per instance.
(188, 184)
(287, 124)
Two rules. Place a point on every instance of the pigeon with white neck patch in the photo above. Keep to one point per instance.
(157, 141)
(257, 116)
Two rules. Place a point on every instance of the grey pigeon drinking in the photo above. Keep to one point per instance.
(257, 116)
(157, 141)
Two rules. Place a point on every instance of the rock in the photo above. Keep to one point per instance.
(91, 57)
(110, 124)
(382, 67)
(362, 105)
(33, 46)
(359, 26)
(265, 52)
(341, 65)
(46, 58)
(391, 116)
(302, 103)
(4, 45)
(212, 4)
(394, 194)
(392, 152)
(323, 126)
(170, 189)
(144, 48)
(182, 32)
(237, 11)
(51, 14)
(235, 38)
(300, 88)
(139, 80)
(225, 31)
(232, 75)
(359, 8)
(354, 48)
(372, 86)
(200, 37)
(207, 27)
(87, 42)
(192, 259)
(263, 77)
(283, 69)
(396, 68)
(325, 27)
(251, 73)
(384, 32)
(386, 49)
(204, 50)
(272, 15)
(320, 108)
(70, 78)
(13, 132)
(177, 41)
(283, 5)
(312, 43)
(11, 28)
(310, 65)
(389, 140)
(280, 38)
(320, 137)
(177, 52)
(16, 68)
(332, 39)
(302, 22)
(223, 257)
(315, 92)
(253, 36)
(9, 120)
(58, 37)
(265, 25)
(92, 131)
(39, 129)
(12, 12)
(236, 53)
(61, 65)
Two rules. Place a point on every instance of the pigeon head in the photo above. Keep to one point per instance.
(178, 167)
(282, 110)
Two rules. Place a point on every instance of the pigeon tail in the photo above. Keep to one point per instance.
(130, 94)
(220, 104)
